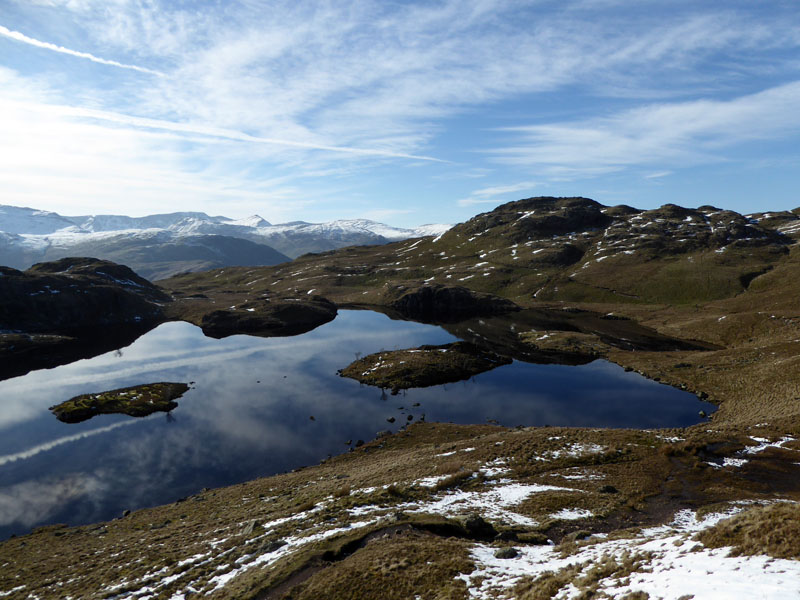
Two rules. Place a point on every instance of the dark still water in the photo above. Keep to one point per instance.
(250, 411)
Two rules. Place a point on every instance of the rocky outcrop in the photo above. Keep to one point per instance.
(448, 304)
(74, 294)
(268, 318)
(423, 366)
(537, 217)
(73, 308)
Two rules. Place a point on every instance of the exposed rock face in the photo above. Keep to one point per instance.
(267, 318)
(540, 217)
(445, 304)
(673, 229)
(74, 294)
(668, 228)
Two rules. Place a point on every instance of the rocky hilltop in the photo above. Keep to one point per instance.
(562, 249)
(61, 311)
(73, 294)
(69, 309)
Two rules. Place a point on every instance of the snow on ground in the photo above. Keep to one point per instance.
(673, 566)
(663, 561)
(741, 459)
(572, 514)
(493, 504)
(574, 450)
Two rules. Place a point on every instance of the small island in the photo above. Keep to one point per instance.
(424, 366)
(136, 401)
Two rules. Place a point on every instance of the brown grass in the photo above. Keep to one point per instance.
(652, 485)
(454, 480)
(394, 567)
(546, 585)
(773, 530)
(584, 576)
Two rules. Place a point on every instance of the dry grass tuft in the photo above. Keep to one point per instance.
(773, 530)
(342, 492)
(546, 585)
(454, 480)
(453, 465)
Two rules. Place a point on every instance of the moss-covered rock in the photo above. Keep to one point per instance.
(423, 366)
(136, 401)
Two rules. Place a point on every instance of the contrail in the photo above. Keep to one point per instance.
(21, 37)
(215, 132)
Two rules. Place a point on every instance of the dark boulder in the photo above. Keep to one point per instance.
(448, 304)
(76, 294)
(269, 318)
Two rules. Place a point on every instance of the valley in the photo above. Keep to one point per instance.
(703, 300)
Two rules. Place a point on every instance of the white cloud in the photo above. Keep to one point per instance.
(658, 174)
(382, 214)
(674, 134)
(490, 195)
(47, 446)
(260, 97)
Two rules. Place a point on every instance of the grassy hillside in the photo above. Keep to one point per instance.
(702, 299)
(547, 249)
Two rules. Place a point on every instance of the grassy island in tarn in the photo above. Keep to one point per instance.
(423, 366)
(136, 401)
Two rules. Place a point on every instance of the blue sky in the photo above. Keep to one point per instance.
(403, 112)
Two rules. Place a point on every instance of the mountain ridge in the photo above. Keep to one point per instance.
(28, 236)
(563, 249)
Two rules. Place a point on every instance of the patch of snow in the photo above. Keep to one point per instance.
(572, 514)
(574, 450)
(292, 543)
(429, 482)
(493, 504)
(677, 567)
(12, 591)
(671, 439)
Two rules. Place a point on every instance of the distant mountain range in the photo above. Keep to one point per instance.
(159, 246)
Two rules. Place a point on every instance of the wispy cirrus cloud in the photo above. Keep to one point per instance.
(675, 134)
(286, 91)
(194, 129)
(491, 195)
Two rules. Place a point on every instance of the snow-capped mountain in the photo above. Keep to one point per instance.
(16, 220)
(190, 240)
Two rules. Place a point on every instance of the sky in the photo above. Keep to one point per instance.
(398, 111)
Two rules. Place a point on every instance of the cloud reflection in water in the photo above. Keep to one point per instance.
(249, 413)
